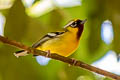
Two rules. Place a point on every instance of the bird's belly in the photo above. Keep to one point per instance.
(62, 47)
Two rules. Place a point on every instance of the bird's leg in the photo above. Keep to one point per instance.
(48, 53)
(74, 62)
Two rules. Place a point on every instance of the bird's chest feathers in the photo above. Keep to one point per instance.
(63, 45)
(70, 40)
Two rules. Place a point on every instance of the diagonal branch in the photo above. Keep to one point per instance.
(60, 58)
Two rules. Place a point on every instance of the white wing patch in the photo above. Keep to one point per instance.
(46, 38)
(68, 24)
(52, 34)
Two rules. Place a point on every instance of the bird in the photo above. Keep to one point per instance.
(64, 42)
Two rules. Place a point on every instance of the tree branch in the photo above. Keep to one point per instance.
(60, 58)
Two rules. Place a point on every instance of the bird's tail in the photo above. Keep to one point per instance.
(21, 53)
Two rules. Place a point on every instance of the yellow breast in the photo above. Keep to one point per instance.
(64, 45)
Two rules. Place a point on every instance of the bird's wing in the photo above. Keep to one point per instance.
(47, 37)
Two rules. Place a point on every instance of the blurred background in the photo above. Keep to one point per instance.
(27, 21)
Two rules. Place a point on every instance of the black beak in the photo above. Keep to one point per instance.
(83, 21)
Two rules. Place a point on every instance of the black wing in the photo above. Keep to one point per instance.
(46, 38)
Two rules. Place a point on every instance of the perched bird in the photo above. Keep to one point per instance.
(63, 42)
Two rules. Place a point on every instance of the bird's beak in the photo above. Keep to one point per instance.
(83, 21)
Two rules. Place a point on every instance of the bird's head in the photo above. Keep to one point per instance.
(75, 25)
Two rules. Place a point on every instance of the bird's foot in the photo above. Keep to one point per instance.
(48, 53)
(73, 61)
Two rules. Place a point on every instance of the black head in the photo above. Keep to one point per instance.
(76, 23)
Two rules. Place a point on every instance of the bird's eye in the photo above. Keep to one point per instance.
(74, 24)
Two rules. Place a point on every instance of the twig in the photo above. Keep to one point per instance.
(58, 57)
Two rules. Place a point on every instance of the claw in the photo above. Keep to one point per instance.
(74, 62)
(48, 53)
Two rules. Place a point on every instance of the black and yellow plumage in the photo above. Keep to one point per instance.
(63, 42)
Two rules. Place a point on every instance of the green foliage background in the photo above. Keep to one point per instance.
(27, 29)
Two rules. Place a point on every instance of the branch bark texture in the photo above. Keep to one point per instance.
(59, 57)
